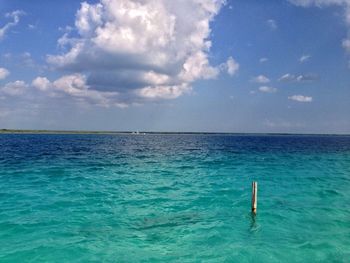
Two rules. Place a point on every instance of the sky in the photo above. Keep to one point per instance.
(187, 65)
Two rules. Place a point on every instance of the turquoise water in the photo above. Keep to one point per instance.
(174, 198)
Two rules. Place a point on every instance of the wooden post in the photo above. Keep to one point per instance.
(254, 196)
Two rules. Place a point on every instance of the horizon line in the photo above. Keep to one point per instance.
(140, 132)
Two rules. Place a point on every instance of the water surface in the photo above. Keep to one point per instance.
(174, 198)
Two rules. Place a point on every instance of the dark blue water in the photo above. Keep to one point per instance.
(174, 198)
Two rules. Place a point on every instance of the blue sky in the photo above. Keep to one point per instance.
(194, 65)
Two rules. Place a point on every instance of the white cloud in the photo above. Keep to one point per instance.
(287, 77)
(71, 84)
(75, 86)
(304, 58)
(300, 98)
(41, 83)
(267, 89)
(262, 60)
(142, 49)
(163, 92)
(231, 66)
(272, 24)
(4, 73)
(298, 78)
(260, 79)
(15, 16)
(15, 88)
(66, 87)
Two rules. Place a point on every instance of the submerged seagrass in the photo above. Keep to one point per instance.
(159, 198)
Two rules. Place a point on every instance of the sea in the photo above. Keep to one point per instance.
(174, 198)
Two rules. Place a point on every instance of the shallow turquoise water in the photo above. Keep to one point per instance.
(174, 198)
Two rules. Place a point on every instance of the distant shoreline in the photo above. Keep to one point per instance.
(18, 131)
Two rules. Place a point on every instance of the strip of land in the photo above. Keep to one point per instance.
(24, 131)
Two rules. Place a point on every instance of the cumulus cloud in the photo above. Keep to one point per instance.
(267, 89)
(4, 73)
(260, 79)
(162, 92)
(15, 17)
(41, 83)
(298, 78)
(75, 86)
(272, 24)
(263, 60)
(300, 98)
(304, 58)
(231, 66)
(15, 88)
(152, 49)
